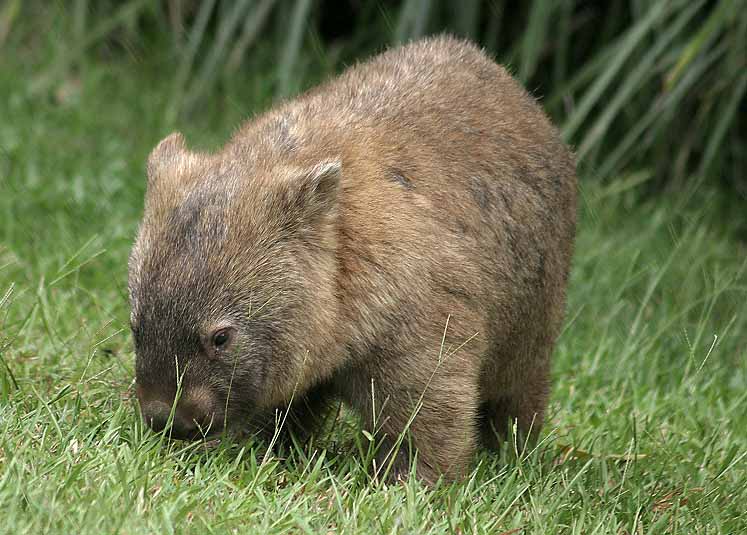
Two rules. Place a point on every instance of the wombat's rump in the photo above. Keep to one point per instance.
(399, 238)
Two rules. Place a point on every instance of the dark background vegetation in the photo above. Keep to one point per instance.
(645, 91)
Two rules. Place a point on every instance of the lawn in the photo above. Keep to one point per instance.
(647, 428)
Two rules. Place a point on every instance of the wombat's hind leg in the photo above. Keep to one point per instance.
(500, 417)
(524, 408)
(428, 415)
(441, 444)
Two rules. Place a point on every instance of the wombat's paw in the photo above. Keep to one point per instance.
(394, 464)
(397, 476)
(391, 463)
(400, 472)
(394, 474)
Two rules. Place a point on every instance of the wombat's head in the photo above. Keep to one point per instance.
(231, 283)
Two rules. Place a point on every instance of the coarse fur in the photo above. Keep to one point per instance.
(398, 238)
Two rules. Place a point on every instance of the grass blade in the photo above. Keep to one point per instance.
(196, 36)
(102, 30)
(634, 81)
(535, 38)
(413, 19)
(292, 49)
(707, 33)
(8, 16)
(252, 26)
(206, 77)
(623, 49)
(725, 118)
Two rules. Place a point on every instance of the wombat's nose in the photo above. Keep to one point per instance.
(157, 415)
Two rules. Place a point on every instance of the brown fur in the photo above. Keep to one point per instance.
(399, 238)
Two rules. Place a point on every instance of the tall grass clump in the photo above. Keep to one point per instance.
(637, 86)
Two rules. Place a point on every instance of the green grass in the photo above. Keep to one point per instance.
(647, 430)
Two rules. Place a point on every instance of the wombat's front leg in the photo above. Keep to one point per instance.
(297, 421)
(432, 411)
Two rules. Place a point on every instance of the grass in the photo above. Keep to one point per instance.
(647, 430)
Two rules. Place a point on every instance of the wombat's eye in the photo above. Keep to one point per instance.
(218, 341)
(220, 338)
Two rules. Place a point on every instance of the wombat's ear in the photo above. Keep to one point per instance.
(170, 152)
(318, 186)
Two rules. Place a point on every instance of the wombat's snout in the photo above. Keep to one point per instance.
(193, 418)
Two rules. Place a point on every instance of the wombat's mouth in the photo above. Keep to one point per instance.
(178, 424)
(192, 418)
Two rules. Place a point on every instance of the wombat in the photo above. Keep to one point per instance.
(398, 238)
